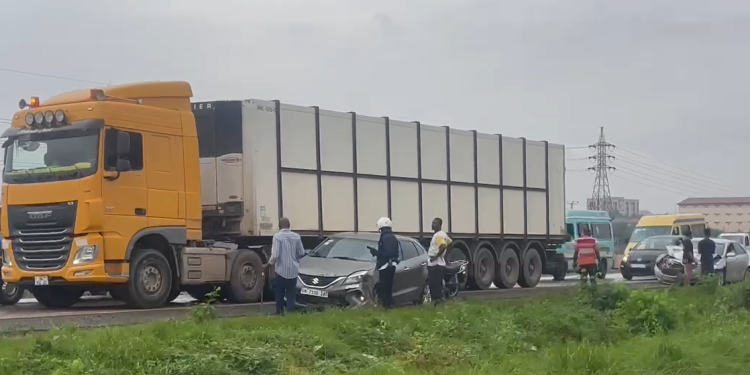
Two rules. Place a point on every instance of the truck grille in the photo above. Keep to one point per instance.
(41, 235)
(42, 249)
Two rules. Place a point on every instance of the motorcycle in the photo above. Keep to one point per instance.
(455, 277)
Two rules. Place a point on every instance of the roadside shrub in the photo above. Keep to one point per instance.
(648, 312)
(604, 297)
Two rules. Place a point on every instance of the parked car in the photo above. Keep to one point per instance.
(731, 263)
(742, 238)
(641, 259)
(341, 272)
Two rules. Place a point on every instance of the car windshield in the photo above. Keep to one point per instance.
(345, 248)
(641, 233)
(656, 243)
(50, 156)
(733, 237)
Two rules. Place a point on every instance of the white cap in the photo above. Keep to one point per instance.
(384, 222)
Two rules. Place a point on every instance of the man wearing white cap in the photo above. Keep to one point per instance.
(386, 255)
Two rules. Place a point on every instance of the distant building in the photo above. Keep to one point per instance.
(729, 214)
(626, 207)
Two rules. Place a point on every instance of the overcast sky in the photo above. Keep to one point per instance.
(667, 79)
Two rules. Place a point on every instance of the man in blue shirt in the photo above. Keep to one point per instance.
(707, 249)
(286, 251)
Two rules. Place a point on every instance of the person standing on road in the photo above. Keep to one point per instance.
(286, 251)
(587, 256)
(436, 263)
(386, 256)
(688, 256)
(707, 249)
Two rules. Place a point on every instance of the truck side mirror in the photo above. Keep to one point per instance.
(123, 144)
(123, 165)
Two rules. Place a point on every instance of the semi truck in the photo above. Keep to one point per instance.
(135, 190)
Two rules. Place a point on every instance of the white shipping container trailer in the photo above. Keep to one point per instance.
(501, 199)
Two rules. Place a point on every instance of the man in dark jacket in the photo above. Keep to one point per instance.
(386, 259)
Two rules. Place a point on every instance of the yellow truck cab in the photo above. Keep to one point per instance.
(102, 189)
(659, 225)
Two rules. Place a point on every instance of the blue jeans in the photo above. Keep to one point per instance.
(285, 288)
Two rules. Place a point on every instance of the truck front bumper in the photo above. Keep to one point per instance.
(78, 268)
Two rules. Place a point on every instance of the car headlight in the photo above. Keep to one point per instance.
(625, 259)
(86, 254)
(355, 278)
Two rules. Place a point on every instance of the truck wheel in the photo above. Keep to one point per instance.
(484, 270)
(603, 266)
(506, 274)
(150, 281)
(531, 271)
(11, 294)
(561, 269)
(57, 297)
(246, 282)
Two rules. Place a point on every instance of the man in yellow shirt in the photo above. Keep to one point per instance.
(436, 264)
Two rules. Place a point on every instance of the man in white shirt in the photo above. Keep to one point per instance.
(436, 264)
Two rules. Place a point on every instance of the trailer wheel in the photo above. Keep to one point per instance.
(150, 281)
(11, 294)
(57, 297)
(506, 274)
(484, 270)
(532, 269)
(246, 282)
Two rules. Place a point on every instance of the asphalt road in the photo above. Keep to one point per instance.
(28, 315)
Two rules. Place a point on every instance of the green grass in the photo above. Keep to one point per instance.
(700, 330)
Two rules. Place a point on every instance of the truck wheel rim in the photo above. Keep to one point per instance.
(151, 278)
(248, 277)
(9, 289)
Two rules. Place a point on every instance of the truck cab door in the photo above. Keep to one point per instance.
(124, 193)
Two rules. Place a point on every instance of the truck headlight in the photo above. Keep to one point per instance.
(86, 254)
(355, 278)
(6, 258)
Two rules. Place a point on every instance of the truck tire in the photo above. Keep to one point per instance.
(150, 282)
(57, 297)
(531, 271)
(603, 267)
(247, 281)
(11, 294)
(484, 270)
(506, 274)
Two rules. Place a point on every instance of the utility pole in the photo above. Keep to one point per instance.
(601, 198)
(572, 204)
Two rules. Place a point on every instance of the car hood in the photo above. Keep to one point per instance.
(642, 256)
(332, 267)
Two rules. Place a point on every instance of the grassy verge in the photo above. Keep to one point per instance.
(700, 330)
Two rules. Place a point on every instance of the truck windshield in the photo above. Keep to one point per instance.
(53, 156)
(641, 233)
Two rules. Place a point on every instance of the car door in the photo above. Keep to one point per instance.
(409, 279)
(742, 261)
(732, 261)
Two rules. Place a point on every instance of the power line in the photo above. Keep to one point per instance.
(640, 183)
(668, 165)
(654, 179)
(674, 175)
(50, 76)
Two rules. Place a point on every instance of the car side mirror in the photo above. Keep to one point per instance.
(731, 255)
(123, 143)
(123, 165)
(308, 251)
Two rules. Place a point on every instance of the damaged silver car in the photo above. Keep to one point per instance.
(731, 262)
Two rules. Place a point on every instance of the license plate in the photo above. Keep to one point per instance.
(41, 280)
(638, 265)
(314, 292)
